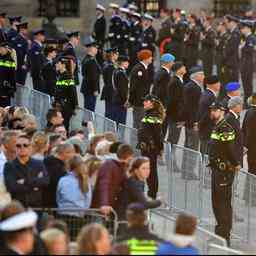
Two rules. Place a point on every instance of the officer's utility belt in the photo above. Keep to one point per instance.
(224, 166)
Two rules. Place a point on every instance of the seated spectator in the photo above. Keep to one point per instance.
(133, 191)
(28, 189)
(55, 241)
(56, 166)
(54, 141)
(61, 130)
(102, 150)
(111, 176)
(74, 190)
(53, 117)
(40, 145)
(110, 136)
(94, 239)
(30, 122)
(181, 243)
(137, 236)
(92, 146)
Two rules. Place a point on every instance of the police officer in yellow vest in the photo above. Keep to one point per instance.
(224, 166)
(7, 75)
(65, 92)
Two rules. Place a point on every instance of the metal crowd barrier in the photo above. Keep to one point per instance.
(128, 135)
(21, 97)
(103, 124)
(163, 225)
(76, 219)
(220, 250)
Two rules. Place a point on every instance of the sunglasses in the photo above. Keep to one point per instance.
(22, 145)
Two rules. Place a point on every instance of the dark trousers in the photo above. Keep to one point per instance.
(138, 114)
(5, 101)
(204, 146)
(230, 74)
(247, 79)
(222, 202)
(37, 84)
(119, 114)
(109, 110)
(90, 102)
(208, 66)
(153, 177)
(67, 113)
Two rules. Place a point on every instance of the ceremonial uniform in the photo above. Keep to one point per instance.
(91, 72)
(223, 158)
(120, 95)
(20, 44)
(37, 60)
(11, 34)
(139, 88)
(115, 32)
(208, 49)
(7, 79)
(125, 37)
(107, 91)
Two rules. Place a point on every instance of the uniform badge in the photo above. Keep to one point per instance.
(140, 73)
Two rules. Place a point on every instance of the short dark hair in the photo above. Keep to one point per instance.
(186, 225)
(53, 112)
(124, 151)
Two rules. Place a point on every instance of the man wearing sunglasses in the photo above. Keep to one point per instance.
(25, 178)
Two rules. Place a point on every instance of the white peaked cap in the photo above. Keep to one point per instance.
(113, 5)
(100, 7)
(18, 222)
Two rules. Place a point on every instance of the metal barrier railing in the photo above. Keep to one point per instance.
(21, 97)
(103, 124)
(76, 219)
(128, 135)
(163, 225)
(215, 249)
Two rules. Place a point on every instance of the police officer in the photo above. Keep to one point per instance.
(208, 97)
(148, 40)
(232, 90)
(91, 72)
(247, 58)
(150, 139)
(7, 75)
(21, 46)
(140, 85)
(48, 74)
(135, 33)
(99, 31)
(3, 36)
(107, 92)
(231, 52)
(208, 46)
(36, 57)
(115, 27)
(224, 164)
(120, 90)
(65, 91)
(69, 50)
(126, 25)
(13, 31)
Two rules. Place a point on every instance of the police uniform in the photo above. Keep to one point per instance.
(66, 96)
(69, 50)
(21, 46)
(150, 142)
(126, 26)
(7, 78)
(37, 59)
(120, 93)
(107, 91)
(91, 72)
(12, 33)
(115, 32)
(247, 62)
(208, 49)
(231, 54)
(223, 159)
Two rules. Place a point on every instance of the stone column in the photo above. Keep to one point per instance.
(87, 15)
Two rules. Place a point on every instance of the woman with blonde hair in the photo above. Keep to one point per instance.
(40, 145)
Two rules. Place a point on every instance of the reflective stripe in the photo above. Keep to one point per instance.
(142, 247)
(7, 64)
(65, 83)
(151, 120)
(229, 136)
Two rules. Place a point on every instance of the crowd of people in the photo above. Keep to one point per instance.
(52, 168)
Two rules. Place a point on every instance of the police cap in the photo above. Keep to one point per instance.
(73, 34)
(137, 208)
(89, 42)
(177, 66)
(233, 86)
(247, 23)
(133, 7)
(232, 18)
(150, 97)
(39, 31)
(124, 10)
(217, 105)
(112, 50)
(136, 15)
(22, 25)
(167, 58)
(113, 6)
(100, 8)
(147, 16)
(13, 19)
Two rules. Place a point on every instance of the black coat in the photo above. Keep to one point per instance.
(91, 72)
(107, 72)
(148, 39)
(161, 82)
(133, 192)
(139, 85)
(115, 31)
(205, 123)
(11, 34)
(192, 95)
(208, 46)
(121, 87)
(175, 99)
(26, 183)
(99, 31)
(249, 128)
(235, 123)
(3, 35)
(56, 169)
(248, 54)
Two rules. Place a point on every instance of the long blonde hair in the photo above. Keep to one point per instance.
(160, 109)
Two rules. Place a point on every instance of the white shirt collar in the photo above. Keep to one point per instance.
(145, 66)
(197, 83)
(168, 71)
(39, 43)
(215, 94)
(100, 16)
(235, 114)
(181, 79)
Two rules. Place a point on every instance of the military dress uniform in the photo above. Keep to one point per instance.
(126, 26)
(12, 33)
(37, 59)
(223, 159)
(247, 65)
(115, 32)
(91, 72)
(7, 79)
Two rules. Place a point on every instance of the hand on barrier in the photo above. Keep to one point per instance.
(106, 210)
